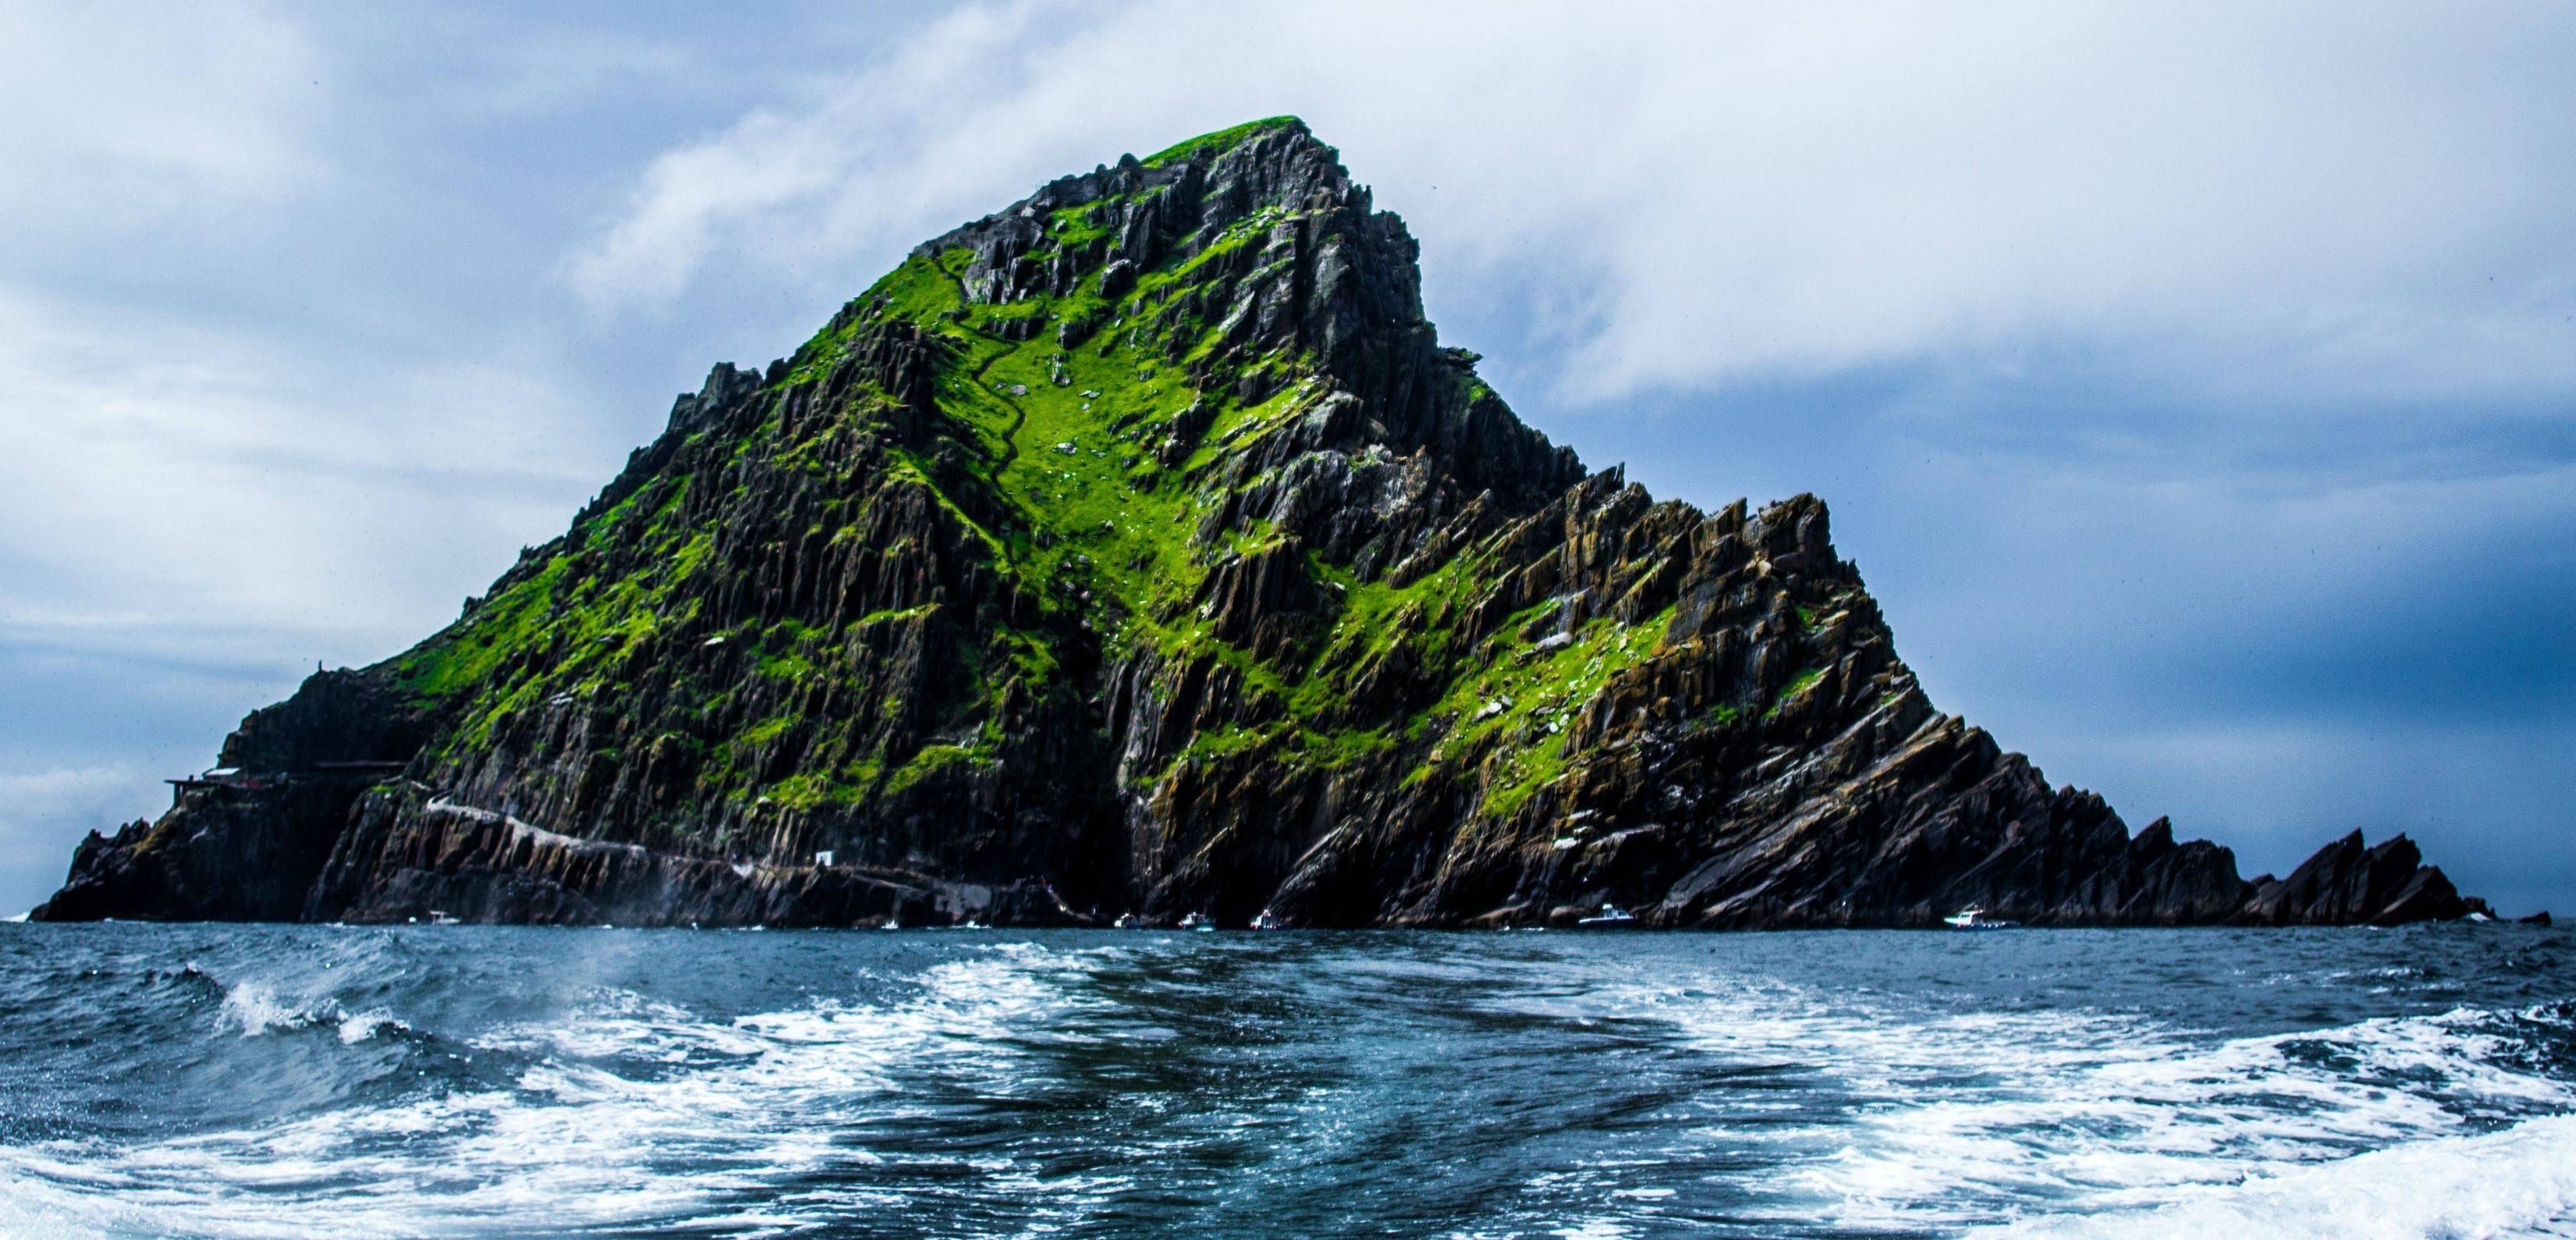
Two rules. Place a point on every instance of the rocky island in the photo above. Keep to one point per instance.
(1140, 550)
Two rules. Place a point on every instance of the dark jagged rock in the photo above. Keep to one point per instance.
(245, 846)
(1140, 549)
(2349, 882)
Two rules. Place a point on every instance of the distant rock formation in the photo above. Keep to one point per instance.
(1139, 549)
(2349, 882)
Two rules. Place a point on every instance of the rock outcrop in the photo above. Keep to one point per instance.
(2349, 882)
(1140, 549)
(245, 844)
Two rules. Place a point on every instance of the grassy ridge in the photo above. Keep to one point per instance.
(1070, 437)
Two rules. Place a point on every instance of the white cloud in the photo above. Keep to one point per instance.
(139, 110)
(175, 480)
(48, 790)
(817, 172)
(34, 805)
(2291, 202)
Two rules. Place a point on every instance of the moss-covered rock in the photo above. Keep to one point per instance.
(1139, 549)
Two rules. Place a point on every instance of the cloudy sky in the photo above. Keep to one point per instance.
(2195, 384)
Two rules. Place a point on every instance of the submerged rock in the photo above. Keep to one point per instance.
(1237, 592)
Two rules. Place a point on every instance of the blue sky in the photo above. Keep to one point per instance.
(2196, 386)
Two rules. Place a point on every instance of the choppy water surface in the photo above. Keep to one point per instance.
(288, 1081)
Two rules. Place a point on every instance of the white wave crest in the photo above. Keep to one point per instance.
(1958, 1120)
(253, 1008)
(2102, 1109)
(2515, 1183)
(1872, 1113)
(585, 1136)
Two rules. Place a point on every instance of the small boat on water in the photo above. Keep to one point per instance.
(1611, 917)
(1197, 921)
(1974, 917)
(1267, 922)
(1128, 921)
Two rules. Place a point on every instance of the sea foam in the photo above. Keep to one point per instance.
(2514, 1183)
(1243, 1085)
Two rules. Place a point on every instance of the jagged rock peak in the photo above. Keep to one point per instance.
(1257, 236)
(1139, 549)
(1187, 195)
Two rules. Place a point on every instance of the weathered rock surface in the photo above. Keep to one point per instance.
(245, 847)
(2349, 882)
(1139, 549)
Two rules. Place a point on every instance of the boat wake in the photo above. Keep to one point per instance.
(582, 1125)
(477, 1081)
(2520, 1182)
(2082, 1123)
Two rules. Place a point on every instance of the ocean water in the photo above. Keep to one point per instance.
(480, 1081)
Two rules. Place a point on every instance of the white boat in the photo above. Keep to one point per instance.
(1197, 921)
(1267, 922)
(1974, 917)
(1128, 921)
(1611, 917)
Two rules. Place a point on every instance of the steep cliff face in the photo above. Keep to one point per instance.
(1139, 548)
